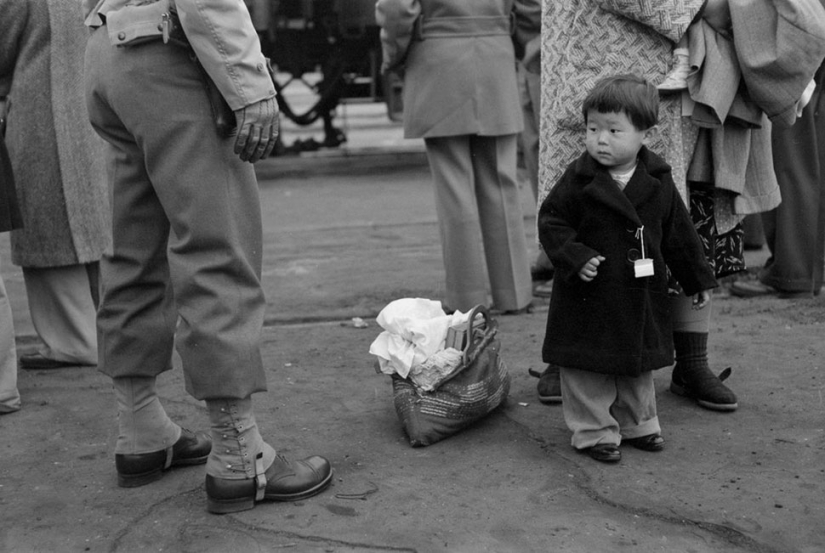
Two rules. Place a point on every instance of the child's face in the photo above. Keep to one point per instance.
(613, 141)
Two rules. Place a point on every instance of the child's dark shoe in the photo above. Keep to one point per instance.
(605, 453)
(651, 442)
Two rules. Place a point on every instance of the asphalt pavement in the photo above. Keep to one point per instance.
(346, 232)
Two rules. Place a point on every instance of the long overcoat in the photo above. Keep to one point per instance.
(586, 40)
(617, 323)
(56, 156)
(447, 92)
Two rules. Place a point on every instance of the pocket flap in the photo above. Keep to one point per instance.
(131, 25)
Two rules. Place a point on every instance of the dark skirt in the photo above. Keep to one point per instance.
(725, 252)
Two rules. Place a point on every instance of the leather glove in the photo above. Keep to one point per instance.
(258, 128)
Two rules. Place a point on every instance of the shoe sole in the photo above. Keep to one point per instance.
(743, 294)
(144, 478)
(723, 407)
(223, 507)
(138, 480)
(47, 366)
(550, 400)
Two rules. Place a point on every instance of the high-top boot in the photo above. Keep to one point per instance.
(149, 442)
(692, 377)
(676, 79)
(243, 469)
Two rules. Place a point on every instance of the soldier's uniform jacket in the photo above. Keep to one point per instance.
(220, 33)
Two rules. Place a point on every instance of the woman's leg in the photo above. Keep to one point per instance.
(692, 376)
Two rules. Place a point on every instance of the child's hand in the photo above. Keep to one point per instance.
(700, 300)
(591, 269)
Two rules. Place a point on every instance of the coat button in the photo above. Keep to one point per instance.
(121, 36)
(633, 255)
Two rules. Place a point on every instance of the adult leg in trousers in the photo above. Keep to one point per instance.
(502, 220)
(458, 221)
(170, 170)
(795, 231)
(9, 394)
(63, 312)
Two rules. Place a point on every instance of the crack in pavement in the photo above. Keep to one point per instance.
(324, 540)
(238, 526)
(583, 483)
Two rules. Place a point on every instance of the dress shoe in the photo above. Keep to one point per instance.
(37, 360)
(284, 480)
(527, 309)
(755, 289)
(549, 385)
(605, 453)
(6, 409)
(139, 469)
(651, 442)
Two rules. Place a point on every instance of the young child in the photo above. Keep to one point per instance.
(616, 229)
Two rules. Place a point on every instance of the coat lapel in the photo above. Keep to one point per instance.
(641, 187)
(602, 189)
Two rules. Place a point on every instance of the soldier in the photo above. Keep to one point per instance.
(186, 260)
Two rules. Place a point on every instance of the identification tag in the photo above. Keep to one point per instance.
(642, 267)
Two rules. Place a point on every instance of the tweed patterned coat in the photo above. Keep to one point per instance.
(56, 156)
(586, 40)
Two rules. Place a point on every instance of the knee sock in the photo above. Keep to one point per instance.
(691, 351)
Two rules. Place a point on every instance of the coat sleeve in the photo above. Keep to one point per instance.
(397, 21)
(682, 249)
(528, 24)
(225, 41)
(670, 18)
(558, 235)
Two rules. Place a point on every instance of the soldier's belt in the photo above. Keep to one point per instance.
(453, 27)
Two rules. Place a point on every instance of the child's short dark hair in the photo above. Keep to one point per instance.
(627, 93)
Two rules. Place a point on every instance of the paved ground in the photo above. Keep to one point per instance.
(344, 236)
